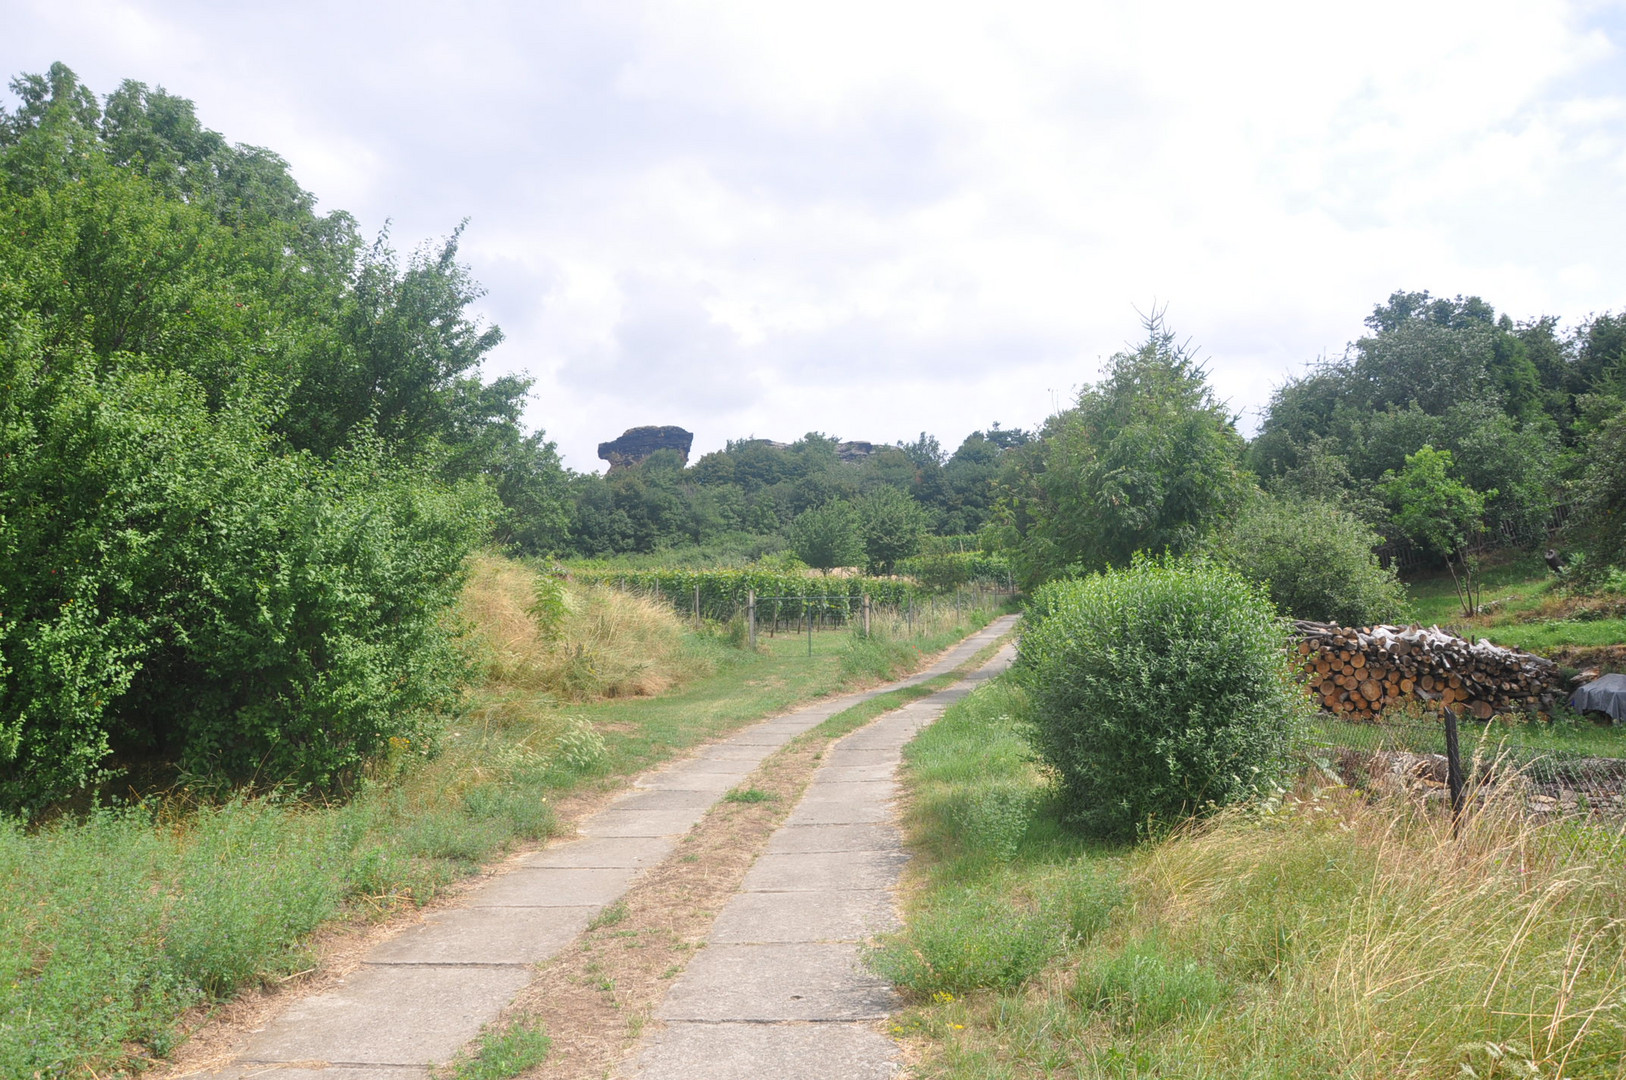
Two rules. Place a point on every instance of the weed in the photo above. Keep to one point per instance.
(613, 915)
(748, 795)
(500, 1055)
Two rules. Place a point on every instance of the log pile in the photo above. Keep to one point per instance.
(1359, 672)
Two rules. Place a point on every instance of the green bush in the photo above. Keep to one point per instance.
(177, 584)
(1316, 561)
(1158, 691)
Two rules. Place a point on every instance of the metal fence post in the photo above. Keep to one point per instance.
(751, 617)
(807, 612)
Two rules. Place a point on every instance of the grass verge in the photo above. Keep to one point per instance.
(1328, 935)
(114, 925)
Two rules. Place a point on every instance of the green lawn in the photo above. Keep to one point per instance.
(1526, 607)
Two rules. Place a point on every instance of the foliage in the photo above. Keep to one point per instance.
(500, 1055)
(723, 593)
(1315, 560)
(241, 459)
(1450, 374)
(828, 536)
(1159, 692)
(890, 525)
(756, 488)
(1147, 460)
(1440, 513)
(1598, 522)
(948, 570)
(181, 587)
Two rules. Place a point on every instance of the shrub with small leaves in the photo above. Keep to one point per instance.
(1159, 691)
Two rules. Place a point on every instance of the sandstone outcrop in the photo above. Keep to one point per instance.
(636, 444)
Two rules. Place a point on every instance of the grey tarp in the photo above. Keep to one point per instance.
(1607, 695)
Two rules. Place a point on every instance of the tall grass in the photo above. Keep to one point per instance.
(602, 642)
(1328, 935)
(113, 923)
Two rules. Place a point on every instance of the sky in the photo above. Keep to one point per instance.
(873, 219)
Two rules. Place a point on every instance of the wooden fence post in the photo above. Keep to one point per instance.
(751, 617)
(1453, 768)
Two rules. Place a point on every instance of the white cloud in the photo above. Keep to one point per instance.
(876, 218)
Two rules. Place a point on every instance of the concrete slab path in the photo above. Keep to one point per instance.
(421, 996)
(779, 991)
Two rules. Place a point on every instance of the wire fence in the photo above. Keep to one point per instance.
(1552, 767)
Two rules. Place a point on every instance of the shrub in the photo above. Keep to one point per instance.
(1158, 691)
(1315, 560)
(177, 583)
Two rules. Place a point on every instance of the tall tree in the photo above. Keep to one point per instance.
(1148, 460)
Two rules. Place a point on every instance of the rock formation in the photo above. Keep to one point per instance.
(637, 444)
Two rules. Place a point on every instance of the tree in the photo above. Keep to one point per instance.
(1148, 460)
(1597, 524)
(1442, 514)
(890, 524)
(1315, 558)
(827, 536)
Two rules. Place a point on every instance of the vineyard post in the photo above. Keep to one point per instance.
(807, 612)
(697, 605)
(866, 615)
(751, 617)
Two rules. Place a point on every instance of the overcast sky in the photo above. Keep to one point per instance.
(872, 219)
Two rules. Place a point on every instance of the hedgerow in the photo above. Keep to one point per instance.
(723, 593)
(949, 569)
(178, 585)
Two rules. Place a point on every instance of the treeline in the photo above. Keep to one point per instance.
(243, 457)
(1447, 426)
(749, 498)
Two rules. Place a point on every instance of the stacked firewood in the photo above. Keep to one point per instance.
(1359, 672)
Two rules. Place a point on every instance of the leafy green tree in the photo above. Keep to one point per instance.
(1316, 560)
(219, 548)
(891, 525)
(828, 536)
(1148, 460)
(1439, 512)
(1597, 524)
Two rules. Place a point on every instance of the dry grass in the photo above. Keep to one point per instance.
(1332, 935)
(1366, 933)
(605, 644)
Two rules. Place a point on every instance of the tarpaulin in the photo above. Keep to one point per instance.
(1605, 695)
